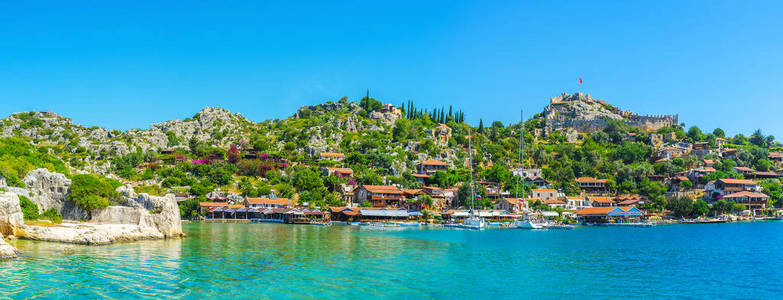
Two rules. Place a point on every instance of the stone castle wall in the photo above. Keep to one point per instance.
(645, 122)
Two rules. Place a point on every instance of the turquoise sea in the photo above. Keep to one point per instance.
(725, 261)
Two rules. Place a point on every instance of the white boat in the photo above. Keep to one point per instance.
(321, 223)
(474, 222)
(528, 224)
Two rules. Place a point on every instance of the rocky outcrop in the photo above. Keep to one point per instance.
(47, 189)
(11, 217)
(161, 213)
(585, 113)
(6, 250)
(139, 217)
(91, 234)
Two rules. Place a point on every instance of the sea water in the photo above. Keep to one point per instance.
(275, 261)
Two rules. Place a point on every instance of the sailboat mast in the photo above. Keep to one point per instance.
(470, 164)
(522, 149)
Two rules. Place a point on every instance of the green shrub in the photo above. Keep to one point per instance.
(29, 209)
(93, 192)
(52, 215)
(17, 158)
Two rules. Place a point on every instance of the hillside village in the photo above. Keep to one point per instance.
(583, 158)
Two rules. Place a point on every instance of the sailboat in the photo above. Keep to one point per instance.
(474, 221)
(528, 222)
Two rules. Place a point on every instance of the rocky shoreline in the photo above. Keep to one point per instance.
(138, 217)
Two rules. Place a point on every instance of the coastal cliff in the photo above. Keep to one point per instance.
(10, 218)
(133, 217)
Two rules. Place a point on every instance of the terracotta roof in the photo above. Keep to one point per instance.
(775, 155)
(412, 192)
(767, 174)
(420, 175)
(332, 154)
(336, 209)
(589, 180)
(709, 161)
(213, 204)
(574, 198)
(737, 181)
(340, 170)
(629, 202)
(744, 169)
(682, 178)
(554, 201)
(382, 189)
(746, 194)
(629, 197)
(431, 162)
(238, 206)
(671, 149)
(513, 200)
(594, 211)
(278, 201)
(601, 199)
(544, 190)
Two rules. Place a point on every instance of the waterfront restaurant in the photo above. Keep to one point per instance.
(343, 213)
(206, 207)
(375, 215)
(609, 214)
(262, 203)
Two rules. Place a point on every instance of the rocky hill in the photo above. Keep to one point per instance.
(583, 113)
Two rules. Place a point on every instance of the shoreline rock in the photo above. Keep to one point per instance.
(90, 234)
(136, 217)
(6, 250)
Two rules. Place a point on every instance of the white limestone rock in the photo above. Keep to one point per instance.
(6, 250)
(90, 234)
(11, 217)
(47, 189)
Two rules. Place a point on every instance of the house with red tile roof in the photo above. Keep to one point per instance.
(596, 201)
(544, 194)
(511, 204)
(592, 185)
(380, 195)
(752, 200)
(431, 166)
(331, 156)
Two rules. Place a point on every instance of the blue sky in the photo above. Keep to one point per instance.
(716, 63)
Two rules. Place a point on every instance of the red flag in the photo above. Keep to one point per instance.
(580, 80)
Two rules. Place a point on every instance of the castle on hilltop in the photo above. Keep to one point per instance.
(584, 114)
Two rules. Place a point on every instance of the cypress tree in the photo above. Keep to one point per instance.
(481, 126)
(442, 115)
(450, 116)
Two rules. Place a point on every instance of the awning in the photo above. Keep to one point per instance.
(414, 214)
(384, 213)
